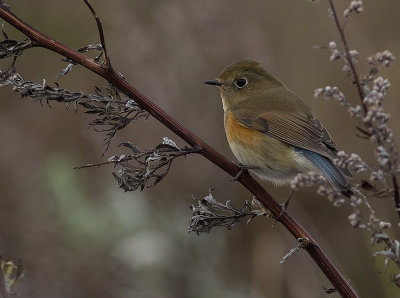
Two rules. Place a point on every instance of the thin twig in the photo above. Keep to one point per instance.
(95, 165)
(314, 250)
(101, 33)
(136, 157)
(348, 57)
(396, 193)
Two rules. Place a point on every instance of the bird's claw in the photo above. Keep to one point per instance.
(284, 206)
(243, 168)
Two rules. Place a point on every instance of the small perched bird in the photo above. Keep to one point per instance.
(272, 131)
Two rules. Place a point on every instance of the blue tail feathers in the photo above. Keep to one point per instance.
(334, 175)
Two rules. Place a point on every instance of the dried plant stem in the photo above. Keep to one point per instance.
(327, 267)
(396, 194)
(362, 95)
(348, 57)
(101, 34)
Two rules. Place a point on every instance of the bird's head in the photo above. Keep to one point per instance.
(243, 81)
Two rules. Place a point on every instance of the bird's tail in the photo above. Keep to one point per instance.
(331, 172)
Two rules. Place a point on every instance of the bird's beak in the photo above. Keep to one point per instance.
(213, 82)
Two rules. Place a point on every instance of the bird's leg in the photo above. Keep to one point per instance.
(243, 168)
(285, 204)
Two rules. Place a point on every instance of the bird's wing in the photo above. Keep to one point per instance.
(294, 129)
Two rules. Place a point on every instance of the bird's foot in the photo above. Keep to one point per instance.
(284, 207)
(243, 168)
(285, 204)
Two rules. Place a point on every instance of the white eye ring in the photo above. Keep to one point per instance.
(241, 83)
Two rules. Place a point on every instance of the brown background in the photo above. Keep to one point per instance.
(80, 236)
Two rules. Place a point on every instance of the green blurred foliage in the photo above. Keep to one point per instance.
(80, 236)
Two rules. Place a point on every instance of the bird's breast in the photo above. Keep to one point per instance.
(237, 132)
(251, 147)
(274, 159)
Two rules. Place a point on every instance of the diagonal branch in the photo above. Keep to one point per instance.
(313, 249)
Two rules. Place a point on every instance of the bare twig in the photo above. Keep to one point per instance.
(101, 33)
(396, 194)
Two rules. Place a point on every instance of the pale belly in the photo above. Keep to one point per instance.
(271, 163)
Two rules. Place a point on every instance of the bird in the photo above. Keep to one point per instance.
(272, 131)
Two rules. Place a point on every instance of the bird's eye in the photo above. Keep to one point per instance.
(240, 83)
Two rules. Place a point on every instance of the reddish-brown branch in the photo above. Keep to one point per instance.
(331, 272)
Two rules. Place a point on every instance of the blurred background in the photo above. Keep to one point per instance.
(79, 235)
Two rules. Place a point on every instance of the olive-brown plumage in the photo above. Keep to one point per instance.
(272, 130)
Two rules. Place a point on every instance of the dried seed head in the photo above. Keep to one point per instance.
(385, 225)
(329, 92)
(353, 162)
(355, 6)
(354, 55)
(382, 155)
(384, 58)
(354, 219)
(306, 179)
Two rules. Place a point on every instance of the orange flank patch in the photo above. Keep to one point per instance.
(255, 148)
(237, 132)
